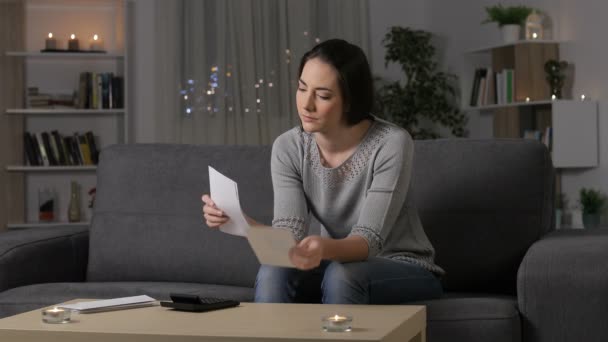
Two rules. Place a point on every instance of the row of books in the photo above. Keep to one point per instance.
(545, 137)
(54, 149)
(490, 87)
(100, 91)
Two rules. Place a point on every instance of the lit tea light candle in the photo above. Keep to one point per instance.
(73, 43)
(553, 97)
(527, 99)
(50, 43)
(56, 315)
(96, 43)
(337, 323)
(583, 97)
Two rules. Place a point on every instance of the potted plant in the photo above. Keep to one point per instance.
(509, 20)
(592, 202)
(428, 98)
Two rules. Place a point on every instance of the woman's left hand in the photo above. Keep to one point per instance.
(308, 253)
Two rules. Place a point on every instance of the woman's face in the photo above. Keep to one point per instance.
(319, 101)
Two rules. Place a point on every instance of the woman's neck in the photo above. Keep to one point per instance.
(342, 140)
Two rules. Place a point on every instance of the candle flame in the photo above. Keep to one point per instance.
(72, 36)
(95, 37)
(50, 35)
(56, 309)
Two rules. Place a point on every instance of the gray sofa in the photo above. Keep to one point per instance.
(486, 206)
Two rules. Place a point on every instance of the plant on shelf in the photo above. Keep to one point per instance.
(592, 201)
(510, 15)
(509, 20)
(427, 97)
(555, 71)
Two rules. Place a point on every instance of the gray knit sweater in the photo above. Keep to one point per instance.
(367, 195)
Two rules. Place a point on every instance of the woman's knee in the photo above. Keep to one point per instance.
(344, 284)
(271, 284)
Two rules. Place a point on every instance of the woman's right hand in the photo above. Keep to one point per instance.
(214, 217)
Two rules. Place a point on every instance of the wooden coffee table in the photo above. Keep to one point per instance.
(248, 322)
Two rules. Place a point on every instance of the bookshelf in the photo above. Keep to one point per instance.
(61, 73)
(572, 123)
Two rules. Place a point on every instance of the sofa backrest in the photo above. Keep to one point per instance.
(482, 204)
(148, 224)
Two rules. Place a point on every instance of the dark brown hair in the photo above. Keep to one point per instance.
(354, 76)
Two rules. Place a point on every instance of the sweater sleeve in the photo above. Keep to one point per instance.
(290, 206)
(386, 196)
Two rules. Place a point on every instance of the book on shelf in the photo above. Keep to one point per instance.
(491, 87)
(49, 150)
(54, 149)
(30, 155)
(43, 155)
(36, 100)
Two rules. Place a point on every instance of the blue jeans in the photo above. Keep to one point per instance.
(373, 281)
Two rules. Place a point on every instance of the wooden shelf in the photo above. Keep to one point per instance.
(25, 168)
(47, 224)
(489, 48)
(60, 55)
(66, 111)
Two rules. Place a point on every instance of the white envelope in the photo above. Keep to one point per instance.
(271, 245)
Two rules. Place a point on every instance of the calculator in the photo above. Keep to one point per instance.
(194, 303)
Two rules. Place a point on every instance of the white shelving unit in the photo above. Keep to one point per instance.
(58, 73)
(508, 105)
(76, 111)
(574, 136)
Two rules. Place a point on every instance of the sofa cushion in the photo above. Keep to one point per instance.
(473, 319)
(31, 297)
(482, 204)
(147, 223)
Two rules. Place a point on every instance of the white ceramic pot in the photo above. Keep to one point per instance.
(510, 33)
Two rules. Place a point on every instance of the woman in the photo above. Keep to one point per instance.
(352, 172)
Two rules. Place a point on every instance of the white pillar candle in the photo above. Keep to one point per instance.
(50, 43)
(96, 43)
(73, 43)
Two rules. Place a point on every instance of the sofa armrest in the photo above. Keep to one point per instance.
(562, 287)
(32, 256)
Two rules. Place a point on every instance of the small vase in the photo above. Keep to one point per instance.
(510, 33)
(591, 221)
(558, 218)
(74, 207)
